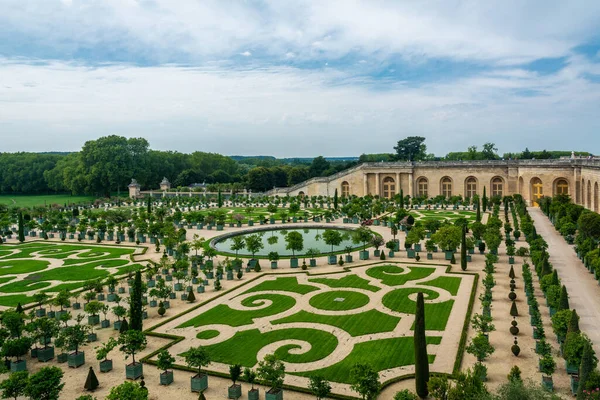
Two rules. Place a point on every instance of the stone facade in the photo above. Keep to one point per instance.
(533, 179)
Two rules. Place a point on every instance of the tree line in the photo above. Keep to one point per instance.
(107, 165)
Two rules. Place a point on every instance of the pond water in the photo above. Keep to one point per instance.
(274, 240)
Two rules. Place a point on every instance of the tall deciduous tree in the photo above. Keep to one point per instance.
(420, 344)
(411, 148)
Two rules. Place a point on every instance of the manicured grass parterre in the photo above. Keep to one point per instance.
(226, 315)
(373, 335)
(230, 351)
(364, 323)
(41, 264)
(393, 275)
(339, 300)
(436, 314)
(41, 200)
(347, 281)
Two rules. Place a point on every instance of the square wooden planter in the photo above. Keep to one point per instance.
(253, 394)
(166, 378)
(17, 366)
(364, 255)
(331, 260)
(62, 358)
(106, 365)
(105, 323)
(76, 360)
(45, 354)
(199, 383)
(234, 391)
(134, 371)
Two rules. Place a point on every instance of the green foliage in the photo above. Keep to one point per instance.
(272, 371)
(420, 344)
(480, 347)
(135, 303)
(514, 374)
(103, 350)
(448, 237)
(319, 387)
(197, 357)
(165, 360)
(365, 381)
(412, 148)
(46, 384)
(15, 385)
(132, 342)
(128, 391)
(294, 242)
(587, 366)
(405, 395)
(516, 389)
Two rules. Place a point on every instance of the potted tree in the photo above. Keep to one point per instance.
(17, 347)
(510, 251)
(165, 362)
(448, 238)
(250, 377)
(430, 247)
(377, 241)
(106, 365)
(234, 391)
(131, 342)
(294, 242)
(93, 308)
(272, 371)
(40, 298)
(333, 238)
(119, 312)
(391, 246)
(198, 357)
(273, 257)
(348, 257)
(45, 328)
(362, 235)
(312, 253)
(74, 336)
(547, 368)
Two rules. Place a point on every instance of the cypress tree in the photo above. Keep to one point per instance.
(149, 205)
(484, 200)
(219, 199)
(563, 303)
(135, 303)
(555, 280)
(574, 323)
(401, 198)
(420, 344)
(586, 367)
(335, 199)
(463, 249)
(478, 216)
(124, 326)
(21, 229)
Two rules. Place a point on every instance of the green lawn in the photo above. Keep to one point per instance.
(391, 275)
(207, 334)
(226, 315)
(284, 284)
(365, 323)
(390, 353)
(327, 300)
(41, 200)
(22, 266)
(450, 283)
(436, 314)
(348, 281)
(243, 347)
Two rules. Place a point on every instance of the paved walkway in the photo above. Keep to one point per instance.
(584, 291)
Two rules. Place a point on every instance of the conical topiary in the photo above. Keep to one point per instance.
(574, 322)
(91, 383)
(191, 297)
(19, 308)
(513, 286)
(515, 348)
(555, 280)
(511, 274)
(124, 326)
(563, 303)
(513, 310)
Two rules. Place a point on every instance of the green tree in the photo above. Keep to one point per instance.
(463, 249)
(489, 151)
(332, 237)
(21, 229)
(484, 200)
(318, 166)
(254, 244)
(14, 386)
(319, 387)
(272, 371)
(128, 391)
(420, 344)
(165, 360)
(365, 381)
(335, 199)
(135, 303)
(480, 347)
(412, 148)
(563, 303)
(132, 342)
(294, 242)
(46, 384)
(587, 366)
(197, 357)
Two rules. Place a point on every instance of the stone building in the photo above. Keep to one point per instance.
(134, 189)
(533, 179)
(165, 185)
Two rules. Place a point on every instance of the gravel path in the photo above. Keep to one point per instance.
(584, 291)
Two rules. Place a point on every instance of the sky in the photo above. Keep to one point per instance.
(300, 78)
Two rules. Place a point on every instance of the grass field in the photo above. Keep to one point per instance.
(42, 200)
(269, 312)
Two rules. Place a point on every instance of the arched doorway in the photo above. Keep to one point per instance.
(561, 186)
(582, 190)
(446, 187)
(537, 191)
(497, 186)
(596, 197)
(521, 188)
(423, 187)
(389, 187)
(589, 195)
(345, 189)
(470, 187)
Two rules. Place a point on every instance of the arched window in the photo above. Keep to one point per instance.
(422, 187)
(446, 187)
(589, 195)
(497, 187)
(345, 189)
(562, 186)
(596, 197)
(537, 190)
(470, 187)
(389, 187)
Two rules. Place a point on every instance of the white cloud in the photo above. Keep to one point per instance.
(246, 53)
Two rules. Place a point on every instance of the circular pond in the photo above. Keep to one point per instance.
(273, 239)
